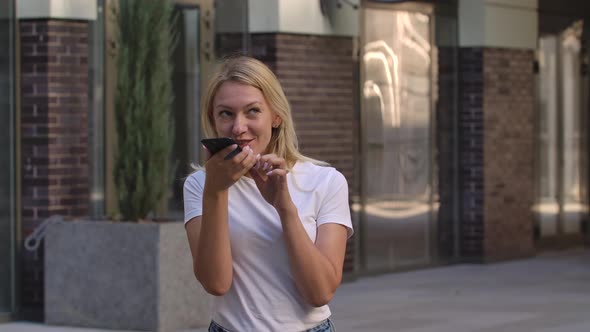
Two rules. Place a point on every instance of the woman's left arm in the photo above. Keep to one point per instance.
(316, 267)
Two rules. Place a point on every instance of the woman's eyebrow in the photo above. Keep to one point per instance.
(253, 103)
(231, 108)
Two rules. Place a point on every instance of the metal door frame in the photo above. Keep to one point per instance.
(14, 217)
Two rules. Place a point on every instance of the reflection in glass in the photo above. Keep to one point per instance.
(96, 107)
(547, 208)
(231, 28)
(561, 205)
(396, 111)
(573, 207)
(6, 158)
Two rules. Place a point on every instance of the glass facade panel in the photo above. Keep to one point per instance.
(187, 92)
(562, 170)
(396, 116)
(547, 207)
(7, 220)
(571, 102)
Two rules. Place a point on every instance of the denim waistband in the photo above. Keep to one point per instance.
(325, 326)
(214, 327)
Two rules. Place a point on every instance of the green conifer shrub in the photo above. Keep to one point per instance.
(143, 44)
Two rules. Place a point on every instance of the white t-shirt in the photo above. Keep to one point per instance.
(263, 296)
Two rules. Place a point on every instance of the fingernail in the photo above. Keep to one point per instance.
(268, 174)
(264, 166)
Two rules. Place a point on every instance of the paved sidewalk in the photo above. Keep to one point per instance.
(548, 293)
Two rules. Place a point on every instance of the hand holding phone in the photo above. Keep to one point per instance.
(215, 145)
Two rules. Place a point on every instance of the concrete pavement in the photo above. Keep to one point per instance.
(547, 293)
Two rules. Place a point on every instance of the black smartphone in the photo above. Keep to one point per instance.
(215, 145)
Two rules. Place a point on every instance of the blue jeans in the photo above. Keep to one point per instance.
(325, 326)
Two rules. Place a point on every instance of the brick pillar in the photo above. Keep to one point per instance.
(54, 129)
(497, 153)
(317, 75)
(509, 152)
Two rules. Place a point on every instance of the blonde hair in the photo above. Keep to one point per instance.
(252, 72)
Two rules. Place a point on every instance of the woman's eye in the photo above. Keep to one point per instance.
(254, 110)
(224, 114)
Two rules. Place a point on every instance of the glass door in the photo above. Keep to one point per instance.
(7, 167)
(399, 190)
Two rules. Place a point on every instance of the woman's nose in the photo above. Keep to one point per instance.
(239, 126)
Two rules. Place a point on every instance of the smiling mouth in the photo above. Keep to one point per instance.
(243, 143)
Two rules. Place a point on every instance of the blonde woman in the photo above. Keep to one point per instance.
(267, 228)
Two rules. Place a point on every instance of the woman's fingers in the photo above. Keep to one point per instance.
(207, 152)
(249, 159)
(221, 155)
(279, 176)
(229, 170)
(270, 162)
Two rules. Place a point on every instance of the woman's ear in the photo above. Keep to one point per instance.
(276, 122)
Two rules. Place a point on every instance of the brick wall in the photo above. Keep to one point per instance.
(497, 153)
(509, 152)
(54, 130)
(471, 152)
(446, 154)
(317, 74)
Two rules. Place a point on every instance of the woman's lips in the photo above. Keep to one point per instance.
(243, 143)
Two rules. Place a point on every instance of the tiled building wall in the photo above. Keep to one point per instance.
(54, 130)
(317, 74)
(509, 152)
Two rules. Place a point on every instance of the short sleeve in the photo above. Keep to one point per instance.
(193, 195)
(334, 207)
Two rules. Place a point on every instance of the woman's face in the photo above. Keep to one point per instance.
(241, 112)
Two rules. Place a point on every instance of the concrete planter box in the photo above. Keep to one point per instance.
(125, 276)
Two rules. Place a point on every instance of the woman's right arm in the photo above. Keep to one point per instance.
(208, 234)
(208, 237)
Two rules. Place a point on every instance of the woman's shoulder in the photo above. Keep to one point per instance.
(310, 168)
(195, 178)
(309, 174)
